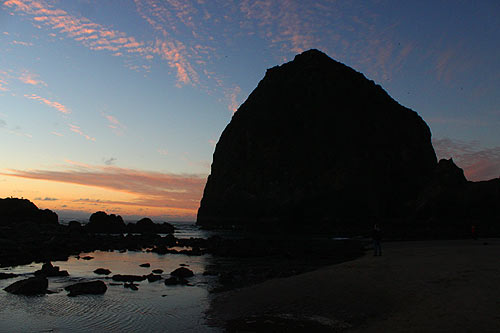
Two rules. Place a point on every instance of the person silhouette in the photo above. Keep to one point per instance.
(377, 237)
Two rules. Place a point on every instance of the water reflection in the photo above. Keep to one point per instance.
(154, 307)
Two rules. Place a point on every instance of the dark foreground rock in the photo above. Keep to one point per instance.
(102, 271)
(32, 286)
(4, 276)
(182, 272)
(84, 288)
(128, 278)
(48, 270)
(153, 277)
(174, 280)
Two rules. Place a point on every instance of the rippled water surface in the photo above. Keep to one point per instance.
(154, 307)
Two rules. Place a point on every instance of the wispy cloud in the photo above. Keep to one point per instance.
(77, 129)
(31, 78)
(479, 163)
(18, 42)
(116, 126)
(46, 199)
(97, 37)
(56, 133)
(56, 105)
(152, 189)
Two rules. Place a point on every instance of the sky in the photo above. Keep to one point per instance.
(117, 105)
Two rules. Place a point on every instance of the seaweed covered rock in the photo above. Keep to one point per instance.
(316, 141)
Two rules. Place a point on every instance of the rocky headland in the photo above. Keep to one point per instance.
(319, 146)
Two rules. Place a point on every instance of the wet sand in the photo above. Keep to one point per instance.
(420, 286)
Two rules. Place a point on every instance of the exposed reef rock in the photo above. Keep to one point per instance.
(29, 287)
(317, 141)
(86, 288)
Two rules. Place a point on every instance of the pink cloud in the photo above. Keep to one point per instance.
(113, 123)
(99, 38)
(77, 130)
(16, 42)
(153, 189)
(56, 105)
(31, 78)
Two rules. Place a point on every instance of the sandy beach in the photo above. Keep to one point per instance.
(416, 286)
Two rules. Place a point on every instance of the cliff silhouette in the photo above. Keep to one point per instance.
(318, 143)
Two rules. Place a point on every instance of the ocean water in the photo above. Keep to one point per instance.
(153, 308)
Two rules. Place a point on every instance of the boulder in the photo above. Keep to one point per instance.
(145, 265)
(182, 272)
(316, 141)
(128, 278)
(174, 280)
(32, 286)
(4, 276)
(82, 288)
(50, 271)
(153, 277)
(100, 222)
(158, 271)
(102, 271)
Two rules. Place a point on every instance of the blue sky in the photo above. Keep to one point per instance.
(117, 105)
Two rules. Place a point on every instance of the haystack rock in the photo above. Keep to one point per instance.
(316, 141)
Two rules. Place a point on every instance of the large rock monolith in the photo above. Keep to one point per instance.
(316, 141)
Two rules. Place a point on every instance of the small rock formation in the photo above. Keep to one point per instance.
(158, 271)
(145, 265)
(84, 288)
(131, 285)
(146, 225)
(153, 277)
(102, 271)
(174, 280)
(100, 222)
(50, 271)
(316, 141)
(182, 272)
(128, 278)
(4, 276)
(33, 286)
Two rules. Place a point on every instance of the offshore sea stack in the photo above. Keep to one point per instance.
(317, 141)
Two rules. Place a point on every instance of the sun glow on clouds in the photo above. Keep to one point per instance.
(56, 105)
(111, 187)
(478, 163)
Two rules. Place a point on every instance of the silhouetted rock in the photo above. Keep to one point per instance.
(182, 272)
(84, 288)
(145, 265)
(153, 277)
(102, 271)
(146, 225)
(50, 271)
(174, 280)
(128, 278)
(317, 141)
(4, 276)
(158, 271)
(131, 285)
(32, 286)
(14, 211)
(103, 223)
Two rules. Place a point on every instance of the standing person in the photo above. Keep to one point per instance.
(377, 237)
(473, 232)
